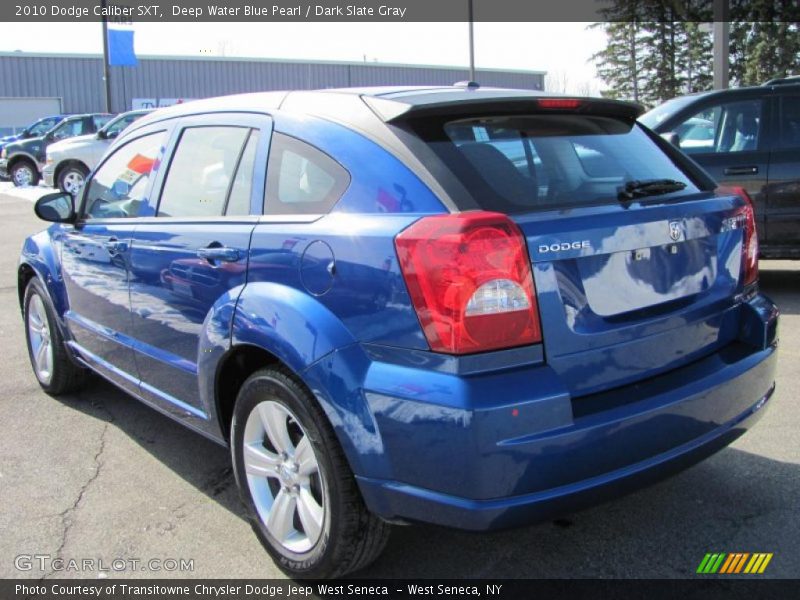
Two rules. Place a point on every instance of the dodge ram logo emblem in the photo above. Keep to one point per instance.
(675, 230)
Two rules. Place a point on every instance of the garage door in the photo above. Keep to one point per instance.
(16, 113)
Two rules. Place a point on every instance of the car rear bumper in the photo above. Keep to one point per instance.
(514, 448)
(4, 168)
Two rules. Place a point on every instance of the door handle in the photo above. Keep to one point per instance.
(749, 170)
(115, 246)
(219, 253)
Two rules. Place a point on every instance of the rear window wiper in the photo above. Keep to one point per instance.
(648, 187)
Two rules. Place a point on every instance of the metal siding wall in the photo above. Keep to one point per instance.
(79, 80)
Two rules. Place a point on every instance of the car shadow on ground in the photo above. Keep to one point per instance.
(735, 502)
(782, 286)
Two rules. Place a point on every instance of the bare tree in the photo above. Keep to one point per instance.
(585, 88)
(559, 82)
(556, 81)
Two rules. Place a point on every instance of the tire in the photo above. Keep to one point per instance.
(52, 366)
(327, 530)
(72, 178)
(24, 173)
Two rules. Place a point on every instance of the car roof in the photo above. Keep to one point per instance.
(782, 83)
(388, 103)
(83, 115)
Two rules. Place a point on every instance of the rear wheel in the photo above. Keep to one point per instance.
(54, 370)
(303, 500)
(23, 173)
(72, 178)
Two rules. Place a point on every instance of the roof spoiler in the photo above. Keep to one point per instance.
(395, 111)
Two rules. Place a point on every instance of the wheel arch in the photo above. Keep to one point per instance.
(266, 316)
(40, 259)
(234, 368)
(262, 324)
(20, 156)
(25, 273)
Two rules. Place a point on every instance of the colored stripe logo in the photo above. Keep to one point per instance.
(728, 563)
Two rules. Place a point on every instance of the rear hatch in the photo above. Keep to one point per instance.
(631, 301)
(636, 261)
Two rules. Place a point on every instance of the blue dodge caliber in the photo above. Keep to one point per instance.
(471, 307)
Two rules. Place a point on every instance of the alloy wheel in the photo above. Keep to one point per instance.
(23, 175)
(40, 340)
(72, 182)
(284, 477)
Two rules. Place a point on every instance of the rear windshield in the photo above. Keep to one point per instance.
(522, 163)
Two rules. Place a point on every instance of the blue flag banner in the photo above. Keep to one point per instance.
(120, 48)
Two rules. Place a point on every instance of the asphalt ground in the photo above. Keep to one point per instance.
(100, 476)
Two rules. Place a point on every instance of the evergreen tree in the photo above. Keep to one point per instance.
(659, 50)
(620, 63)
(696, 58)
(763, 50)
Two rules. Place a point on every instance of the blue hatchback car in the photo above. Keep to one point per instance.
(471, 307)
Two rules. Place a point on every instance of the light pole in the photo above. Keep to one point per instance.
(721, 43)
(471, 45)
(106, 69)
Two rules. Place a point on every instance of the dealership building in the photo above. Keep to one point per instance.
(33, 85)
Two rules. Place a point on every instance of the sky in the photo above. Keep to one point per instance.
(562, 49)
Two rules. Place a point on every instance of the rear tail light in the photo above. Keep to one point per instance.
(470, 281)
(745, 219)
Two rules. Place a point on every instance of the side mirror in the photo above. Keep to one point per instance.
(673, 138)
(100, 135)
(56, 208)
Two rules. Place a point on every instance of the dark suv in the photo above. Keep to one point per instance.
(747, 137)
(24, 160)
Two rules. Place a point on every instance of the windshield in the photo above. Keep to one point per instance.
(43, 126)
(518, 164)
(113, 128)
(653, 118)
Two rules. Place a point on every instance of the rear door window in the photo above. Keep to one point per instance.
(515, 164)
(201, 173)
(239, 198)
(790, 122)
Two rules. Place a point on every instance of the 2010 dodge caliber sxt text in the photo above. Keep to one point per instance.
(471, 307)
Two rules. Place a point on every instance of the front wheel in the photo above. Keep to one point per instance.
(54, 370)
(24, 173)
(303, 501)
(72, 178)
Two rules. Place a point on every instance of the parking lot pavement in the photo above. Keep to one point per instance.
(98, 475)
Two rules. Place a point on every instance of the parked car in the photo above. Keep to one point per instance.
(69, 161)
(539, 334)
(23, 160)
(748, 137)
(35, 129)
